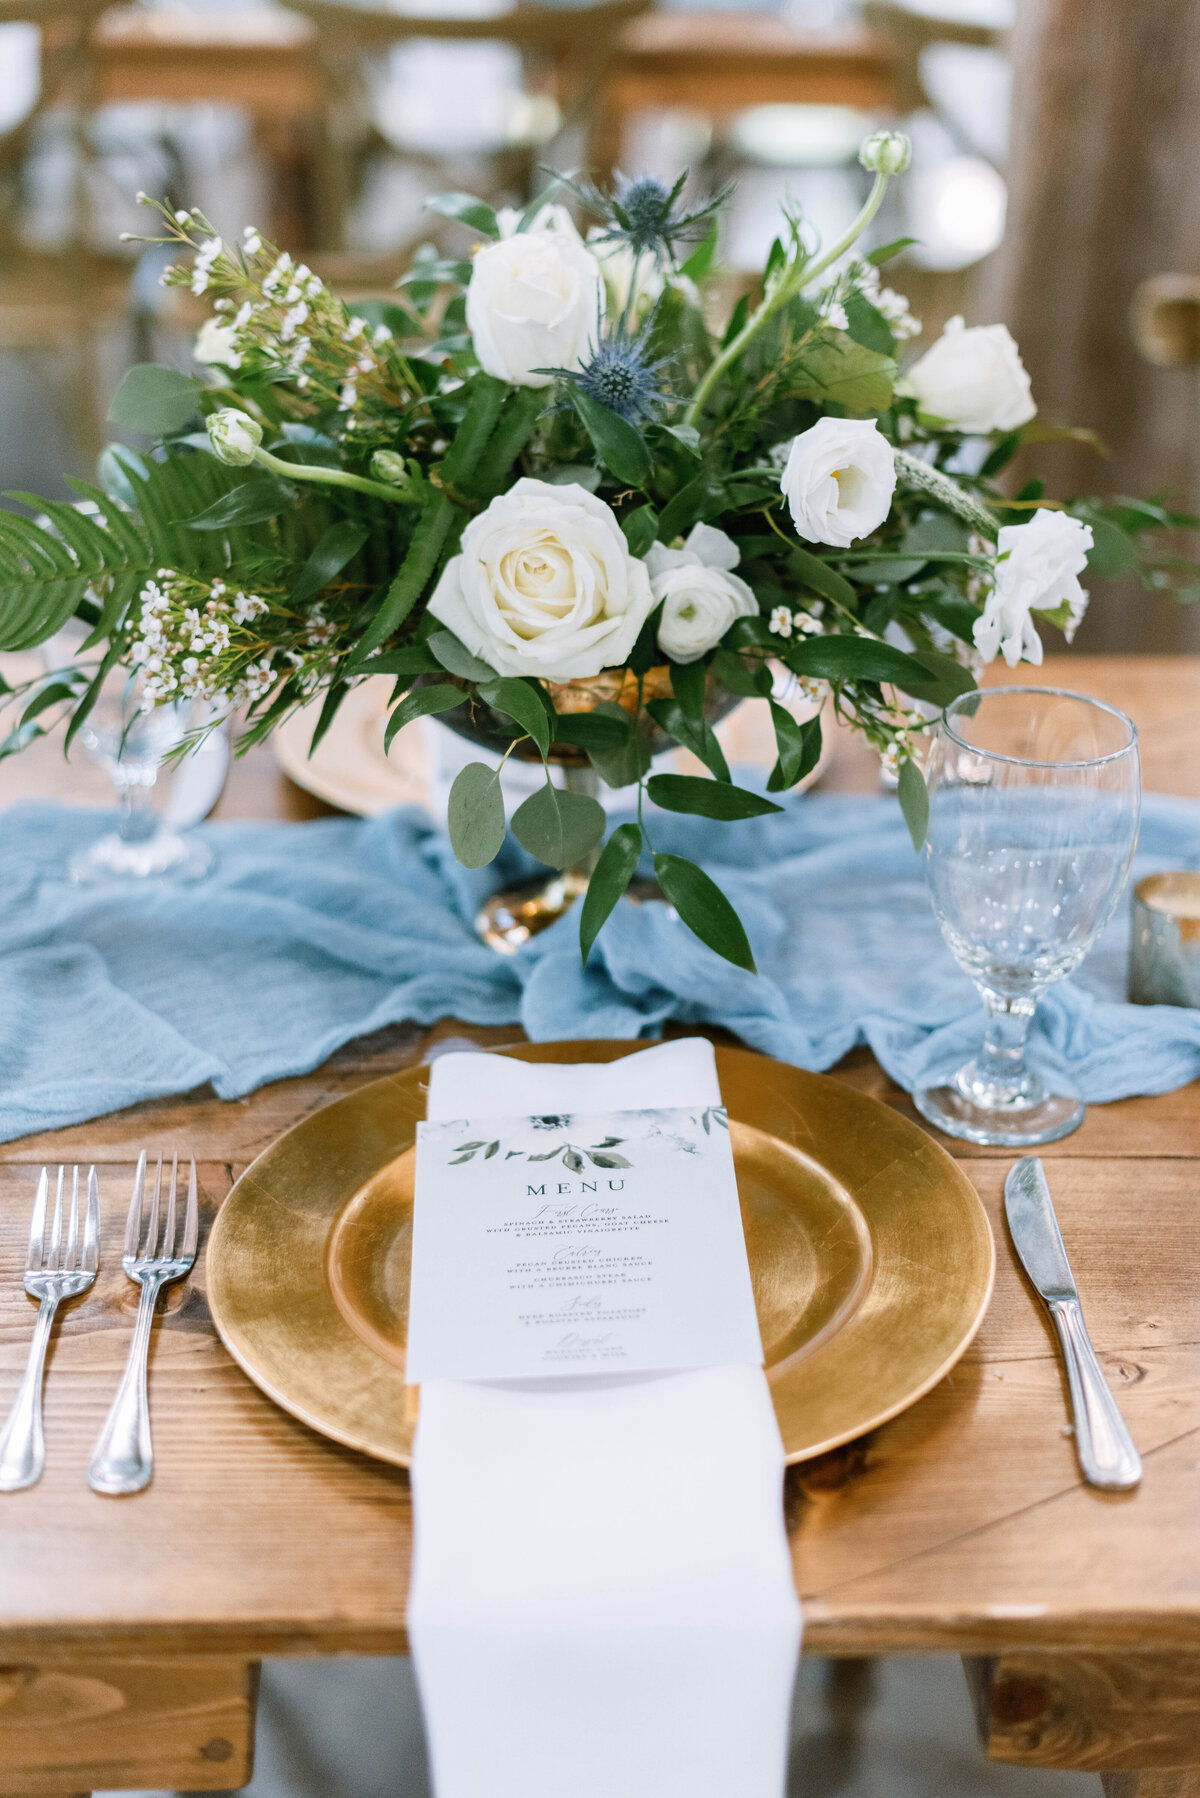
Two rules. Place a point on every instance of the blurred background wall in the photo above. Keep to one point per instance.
(1052, 186)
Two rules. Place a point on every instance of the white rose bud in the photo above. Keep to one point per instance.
(1040, 572)
(216, 343)
(838, 480)
(701, 596)
(234, 436)
(885, 153)
(535, 301)
(545, 585)
(973, 379)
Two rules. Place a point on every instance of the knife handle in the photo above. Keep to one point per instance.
(1105, 1447)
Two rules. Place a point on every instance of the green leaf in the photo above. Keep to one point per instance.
(799, 747)
(456, 658)
(868, 326)
(621, 764)
(329, 710)
(251, 503)
(593, 730)
(154, 399)
(641, 529)
(520, 702)
(748, 679)
(557, 826)
(888, 250)
(860, 658)
(704, 909)
(1112, 552)
(619, 446)
(1001, 454)
(914, 801)
(949, 678)
(707, 798)
(115, 460)
(737, 320)
(425, 702)
(51, 694)
(699, 263)
(475, 213)
(820, 577)
(398, 319)
(689, 683)
(610, 879)
(475, 815)
(696, 736)
(689, 506)
(688, 435)
(339, 545)
(838, 371)
(407, 662)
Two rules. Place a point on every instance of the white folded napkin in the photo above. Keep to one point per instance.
(602, 1602)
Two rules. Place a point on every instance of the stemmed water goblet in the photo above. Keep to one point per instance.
(1035, 796)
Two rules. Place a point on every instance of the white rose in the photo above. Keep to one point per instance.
(973, 379)
(545, 585)
(216, 342)
(535, 300)
(700, 594)
(838, 480)
(1040, 572)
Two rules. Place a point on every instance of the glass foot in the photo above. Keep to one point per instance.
(1016, 1116)
(164, 856)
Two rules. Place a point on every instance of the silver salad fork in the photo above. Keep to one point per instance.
(123, 1460)
(54, 1270)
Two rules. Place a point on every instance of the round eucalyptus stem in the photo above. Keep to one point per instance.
(792, 282)
(333, 477)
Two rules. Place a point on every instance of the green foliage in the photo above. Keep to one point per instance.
(557, 826)
(914, 801)
(424, 702)
(475, 815)
(704, 909)
(610, 880)
(707, 798)
(158, 401)
(619, 445)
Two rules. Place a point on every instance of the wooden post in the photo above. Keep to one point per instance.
(1133, 1717)
(1106, 130)
(1180, 1784)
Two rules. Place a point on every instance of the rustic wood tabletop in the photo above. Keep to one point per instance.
(129, 1629)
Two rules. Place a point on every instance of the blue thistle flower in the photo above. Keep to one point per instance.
(645, 214)
(622, 377)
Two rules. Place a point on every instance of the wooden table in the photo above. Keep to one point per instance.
(130, 1628)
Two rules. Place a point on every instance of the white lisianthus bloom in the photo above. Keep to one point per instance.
(535, 300)
(216, 342)
(234, 436)
(1040, 572)
(972, 378)
(838, 480)
(545, 585)
(700, 594)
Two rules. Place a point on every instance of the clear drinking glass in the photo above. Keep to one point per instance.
(1035, 796)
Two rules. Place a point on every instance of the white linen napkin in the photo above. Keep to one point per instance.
(602, 1602)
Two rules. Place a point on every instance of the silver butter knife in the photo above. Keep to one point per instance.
(1105, 1447)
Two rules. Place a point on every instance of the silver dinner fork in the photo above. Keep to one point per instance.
(54, 1270)
(123, 1459)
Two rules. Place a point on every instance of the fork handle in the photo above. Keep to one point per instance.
(1105, 1448)
(122, 1460)
(22, 1445)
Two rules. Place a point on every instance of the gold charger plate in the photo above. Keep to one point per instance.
(870, 1254)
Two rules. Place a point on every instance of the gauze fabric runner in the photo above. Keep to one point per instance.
(602, 1602)
(309, 934)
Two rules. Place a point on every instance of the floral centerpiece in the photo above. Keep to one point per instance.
(558, 508)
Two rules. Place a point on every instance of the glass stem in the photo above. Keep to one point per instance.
(582, 778)
(1001, 1061)
(138, 819)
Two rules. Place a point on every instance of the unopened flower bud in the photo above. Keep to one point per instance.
(388, 465)
(886, 153)
(234, 436)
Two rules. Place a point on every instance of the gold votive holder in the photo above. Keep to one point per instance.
(1164, 953)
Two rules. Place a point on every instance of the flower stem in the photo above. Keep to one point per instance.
(793, 282)
(333, 477)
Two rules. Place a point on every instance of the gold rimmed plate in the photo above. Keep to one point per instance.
(870, 1254)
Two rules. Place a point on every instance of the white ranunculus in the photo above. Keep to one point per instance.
(700, 594)
(216, 342)
(535, 301)
(234, 436)
(972, 378)
(838, 480)
(1040, 572)
(545, 585)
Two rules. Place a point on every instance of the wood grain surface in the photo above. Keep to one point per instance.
(963, 1525)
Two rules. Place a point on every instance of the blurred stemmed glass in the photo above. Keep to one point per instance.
(1035, 796)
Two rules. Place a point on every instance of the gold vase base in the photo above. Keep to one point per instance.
(507, 920)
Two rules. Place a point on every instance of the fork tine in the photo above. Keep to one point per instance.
(191, 1221)
(37, 1226)
(168, 1246)
(73, 1226)
(91, 1227)
(52, 1256)
(133, 1223)
(151, 1243)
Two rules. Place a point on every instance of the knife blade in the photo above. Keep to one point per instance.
(1105, 1448)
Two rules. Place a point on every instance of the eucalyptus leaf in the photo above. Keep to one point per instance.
(610, 879)
(838, 371)
(707, 798)
(154, 399)
(475, 815)
(704, 909)
(913, 795)
(557, 826)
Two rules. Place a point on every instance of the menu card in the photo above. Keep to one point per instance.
(597, 1242)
